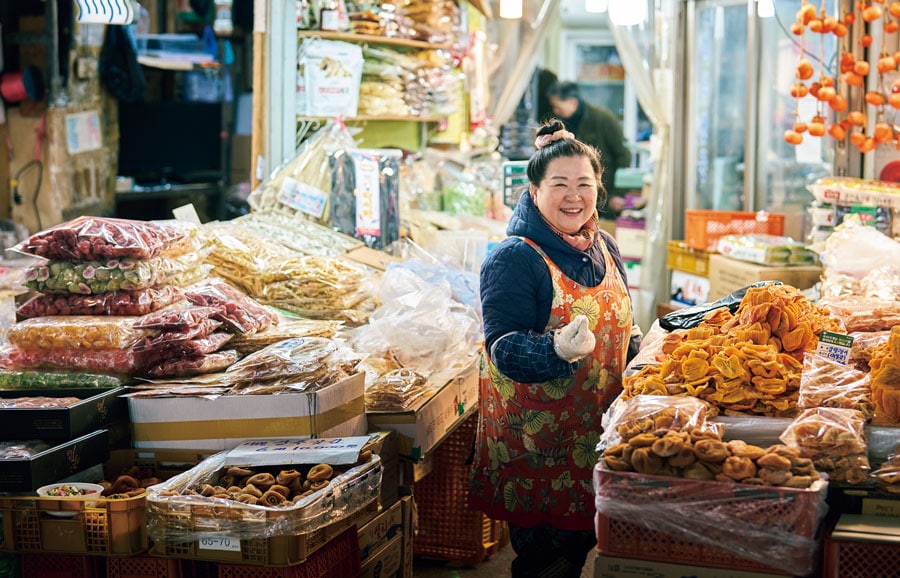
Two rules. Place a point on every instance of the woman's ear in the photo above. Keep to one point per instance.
(532, 190)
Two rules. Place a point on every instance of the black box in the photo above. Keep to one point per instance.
(55, 463)
(97, 408)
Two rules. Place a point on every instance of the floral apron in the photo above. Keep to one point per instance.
(536, 442)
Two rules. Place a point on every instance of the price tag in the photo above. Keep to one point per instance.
(224, 543)
(835, 346)
(305, 198)
(515, 180)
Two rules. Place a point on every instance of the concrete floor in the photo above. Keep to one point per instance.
(496, 566)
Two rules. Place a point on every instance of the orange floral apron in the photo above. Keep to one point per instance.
(536, 442)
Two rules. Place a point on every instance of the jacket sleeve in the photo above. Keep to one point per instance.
(513, 280)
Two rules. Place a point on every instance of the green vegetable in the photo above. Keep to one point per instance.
(60, 379)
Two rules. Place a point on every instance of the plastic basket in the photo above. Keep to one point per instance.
(448, 529)
(854, 559)
(59, 566)
(683, 258)
(142, 567)
(703, 229)
(338, 559)
(789, 510)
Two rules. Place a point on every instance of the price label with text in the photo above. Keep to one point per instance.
(221, 542)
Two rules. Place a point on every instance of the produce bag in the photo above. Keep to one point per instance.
(58, 379)
(641, 414)
(827, 383)
(834, 439)
(76, 332)
(364, 195)
(199, 364)
(237, 311)
(329, 76)
(138, 302)
(99, 238)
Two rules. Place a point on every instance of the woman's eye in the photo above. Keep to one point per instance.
(584, 186)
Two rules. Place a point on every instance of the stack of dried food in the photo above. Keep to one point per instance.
(834, 439)
(885, 365)
(749, 362)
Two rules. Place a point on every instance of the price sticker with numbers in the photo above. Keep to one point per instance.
(221, 542)
(835, 346)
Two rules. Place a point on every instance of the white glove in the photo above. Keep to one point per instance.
(575, 340)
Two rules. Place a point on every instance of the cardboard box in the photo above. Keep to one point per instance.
(409, 531)
(728, 275)
(227, 421)
(387, 563)
(633, 272)
(614, 567)
(98, 407)
(680, 257)
(630, 237)
(412, 471)
(378, 532)
(385, 444)
(378, 260)
(423, 427)
(55, 463)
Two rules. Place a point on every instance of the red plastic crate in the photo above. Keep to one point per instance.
(339, 558)
(703, 229)
(142, 567)
(853, 559)
(789, 510)
(60, 566)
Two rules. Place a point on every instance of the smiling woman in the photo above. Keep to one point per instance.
(558, 332)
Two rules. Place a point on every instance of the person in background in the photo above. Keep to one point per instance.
(599, 128)
(558, 333)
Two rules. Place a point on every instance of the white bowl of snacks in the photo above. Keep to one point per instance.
(68, 496)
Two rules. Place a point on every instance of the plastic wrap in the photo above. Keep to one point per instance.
(238, 254)
(299, 234)
(195, 365)
(177, 348)
(627, 418)
(766, 249)
(864, 344)
(827, 383)
(834, 439)
(776, 527)
(419, 324)
(239, 313)
(167, 507)
(174, 338)
(21, 450)
(58, 379)
(882, 283)
(885, 365)
(76, 331)
(296, 365)
(97, 277)
(864, 314)
(120, 361)
(365, 201)
(651, 352)
(181, 317)
(888, 475)
(286, 328)
(98, 238)
(857, 250)
(40, 402)
(113, 303)
(396, 390)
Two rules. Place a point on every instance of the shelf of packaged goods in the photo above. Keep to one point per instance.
(408, 118)
(371, 39)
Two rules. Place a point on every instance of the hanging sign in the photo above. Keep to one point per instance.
(106, 11)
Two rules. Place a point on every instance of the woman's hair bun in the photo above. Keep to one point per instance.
(551, 127)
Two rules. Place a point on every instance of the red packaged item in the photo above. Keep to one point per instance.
(138, 302)
(184, 348)
(91, 238)
(239, 312)
(170, 339)
(196, 365)
(179, 317)
(121, 361)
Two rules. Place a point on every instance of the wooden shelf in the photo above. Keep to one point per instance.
(350, 37)
(384, 118)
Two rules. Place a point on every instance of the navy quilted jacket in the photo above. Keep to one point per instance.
(516, 293)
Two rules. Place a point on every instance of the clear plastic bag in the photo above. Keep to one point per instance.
(118, 361)
(864, 314)
(195, 365)
(641, 414)
(349, 490)
(888, 475)
(181, 317)
(76, 332)
(396, 390)
(864, 344)
(138, 302)
(172, 338)
(97, 238)
(240, 313)
(58, 379)
(834, 439)
(827, 383)
(97, 277)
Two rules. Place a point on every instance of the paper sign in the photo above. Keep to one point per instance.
(334, 451)
(187, 214)
(368, 195)
(222, 542)
(305, 198)
(835, 346)
(515, 179)
(83, 132)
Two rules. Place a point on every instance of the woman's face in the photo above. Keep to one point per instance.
(567, 196)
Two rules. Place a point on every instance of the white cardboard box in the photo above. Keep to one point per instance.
(424, 426)
(227, 421)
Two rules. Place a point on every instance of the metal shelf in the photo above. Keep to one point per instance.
(371, 39)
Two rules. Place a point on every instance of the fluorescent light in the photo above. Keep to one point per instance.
(765, 8)
(510, 9)
(627, 12)
(596, 6)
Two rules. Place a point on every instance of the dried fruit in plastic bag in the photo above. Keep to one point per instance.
(826, 383)
(138, 302)
(239, 312)
(75, 331)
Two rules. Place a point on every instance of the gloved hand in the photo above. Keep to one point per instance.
(575, 340)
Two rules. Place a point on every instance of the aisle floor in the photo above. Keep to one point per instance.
(497, 566)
